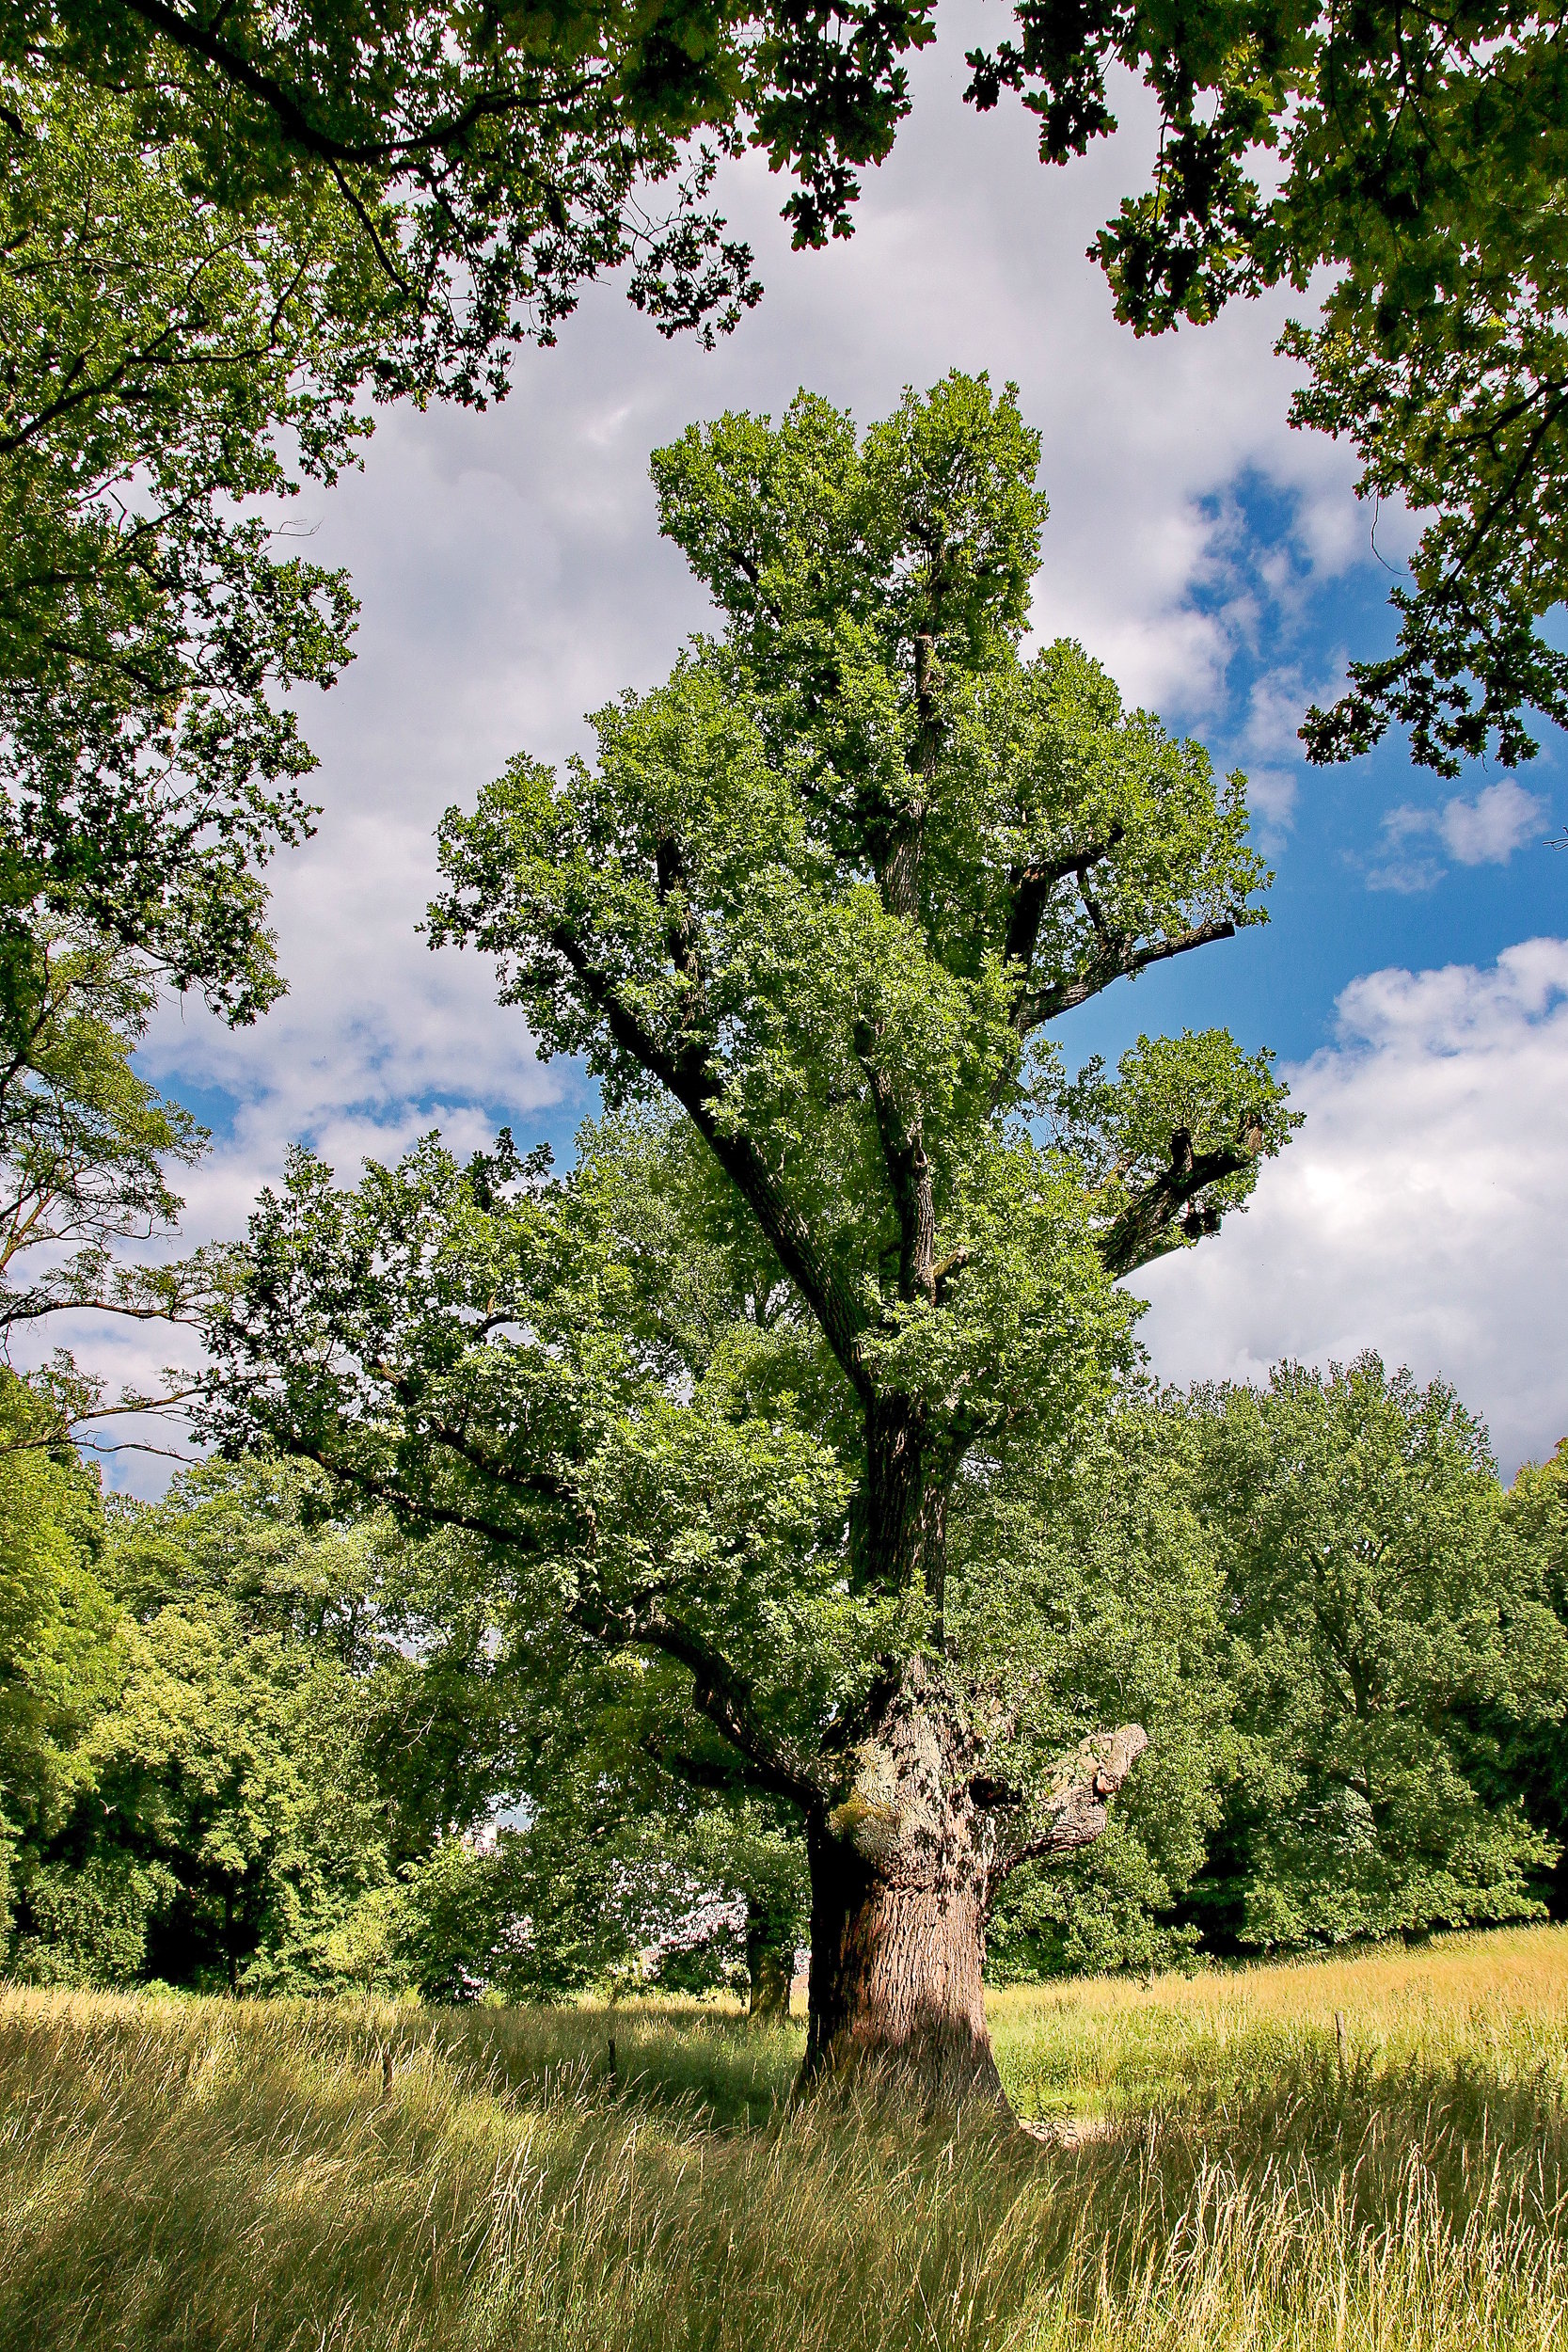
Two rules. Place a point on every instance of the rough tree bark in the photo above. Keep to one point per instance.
(903, 1872)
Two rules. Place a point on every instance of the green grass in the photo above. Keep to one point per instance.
(210, 2174)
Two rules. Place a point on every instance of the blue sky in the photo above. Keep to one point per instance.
(1377, 862)
(511, 578)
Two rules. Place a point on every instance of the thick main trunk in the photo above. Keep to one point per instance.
(896, 1982)
(902, 1533)
(898, 1877)
(903, 1870)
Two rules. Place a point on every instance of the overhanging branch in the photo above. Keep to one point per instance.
(1117, 961)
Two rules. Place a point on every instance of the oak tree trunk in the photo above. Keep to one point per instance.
(895, 1983)
(899, 1893)
(771, 1971)
(905, 1864)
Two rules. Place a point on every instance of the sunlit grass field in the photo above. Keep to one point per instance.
(1213, 2165)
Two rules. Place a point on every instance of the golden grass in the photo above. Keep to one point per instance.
(217, 2175)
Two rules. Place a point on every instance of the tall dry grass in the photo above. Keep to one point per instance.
(1218, 2174)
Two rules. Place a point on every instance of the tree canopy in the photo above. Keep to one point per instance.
(1393, 1654)
(485, 166)
(1418, 160)
(160, 351)
(493, 162)
(85, 1143)
(233, 1750)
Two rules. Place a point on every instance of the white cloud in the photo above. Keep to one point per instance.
(1271, 798)
(1276, 703)
(1420, 1209)
(1487, 830)
(1484, 832)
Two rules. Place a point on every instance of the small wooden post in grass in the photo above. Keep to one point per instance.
(385, 2069)
(612, 2057)
(1343, 2040)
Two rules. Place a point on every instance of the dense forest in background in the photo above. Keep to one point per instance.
(249, 1742)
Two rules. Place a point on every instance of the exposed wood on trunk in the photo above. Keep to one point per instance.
(1073, 1812)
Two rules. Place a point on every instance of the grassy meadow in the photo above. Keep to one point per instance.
(1210, 2166)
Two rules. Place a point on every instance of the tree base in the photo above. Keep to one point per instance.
(771, 1971)
(896, 2001)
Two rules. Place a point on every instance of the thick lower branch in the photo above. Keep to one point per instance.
(700, 1771)
(422, 1513)
(718, 1692)
(1074, 1813)
(295, 124)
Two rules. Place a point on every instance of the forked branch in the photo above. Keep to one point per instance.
(1169, 1210)
(718, 1690)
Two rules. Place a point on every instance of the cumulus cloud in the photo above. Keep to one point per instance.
(1418, 1212)
(1485, 831)
(1276, 703)
(1271, 798)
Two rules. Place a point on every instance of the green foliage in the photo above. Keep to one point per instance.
(1422, 159)
(1386, 1631)
(85, 1918)
(85, 1142)
(1538, 1514)
(1098, 1575)
(453, 180)
(62, 1659)
(659, 1865)
(492, 167)
(213, 1812)
(1533, 1752)
(160, 351)
(236, 1765)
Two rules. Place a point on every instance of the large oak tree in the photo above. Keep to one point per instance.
(815, 912)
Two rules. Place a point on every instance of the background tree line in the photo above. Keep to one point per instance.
(246, 1741)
